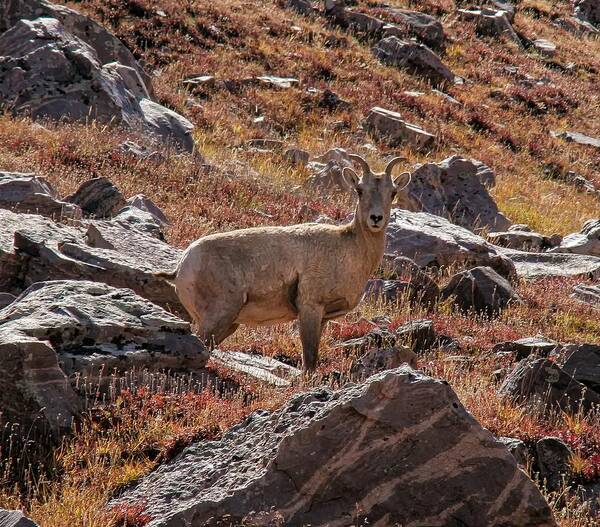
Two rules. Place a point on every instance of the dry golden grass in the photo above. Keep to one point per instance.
(498, 121)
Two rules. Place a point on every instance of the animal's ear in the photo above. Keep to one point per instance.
(404, 178)
(350, 177)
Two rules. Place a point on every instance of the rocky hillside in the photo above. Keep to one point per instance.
(463, 390)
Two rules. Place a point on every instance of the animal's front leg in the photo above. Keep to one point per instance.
(310, 318)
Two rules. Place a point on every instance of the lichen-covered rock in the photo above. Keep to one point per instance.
(431, 240)
(397, 449)
(413, 57)
(453, 189)
(481, 290)
(92, 325)
(30, 193)
(386, 125)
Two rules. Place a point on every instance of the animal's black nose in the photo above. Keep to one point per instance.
(376, 219)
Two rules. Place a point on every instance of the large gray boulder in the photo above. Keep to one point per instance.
(397, 449)
(51, 73)
(431, 240)
(481, 290)
(91, 325)
(426, 28)
(454, 190)
(14, 519)
(35, 249)
(586, 241)
(107, 47)
(414, 57)
(30, 193)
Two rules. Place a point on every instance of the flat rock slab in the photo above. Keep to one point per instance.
(527, 346)
(431, 240)
(541, 265)
(92, 325)
(36, 249)
(397, 449)
(30, 193)
(590, 294)
(264, 369)
(578, 138)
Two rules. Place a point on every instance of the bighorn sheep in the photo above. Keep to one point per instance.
(267, 275)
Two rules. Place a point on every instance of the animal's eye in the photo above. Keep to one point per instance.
(359, 191)
(394, 194)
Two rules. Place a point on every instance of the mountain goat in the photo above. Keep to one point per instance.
(268, 275)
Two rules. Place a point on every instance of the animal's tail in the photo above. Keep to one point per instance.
(166, 275)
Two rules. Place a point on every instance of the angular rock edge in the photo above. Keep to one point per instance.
(396, 449)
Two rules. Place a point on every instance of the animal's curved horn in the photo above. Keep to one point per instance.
(390, 166)
(360, 160)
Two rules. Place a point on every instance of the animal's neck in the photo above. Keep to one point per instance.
(371, 242)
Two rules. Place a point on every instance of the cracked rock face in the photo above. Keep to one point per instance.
(396, 449)
(117, 252)
(89, 324)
